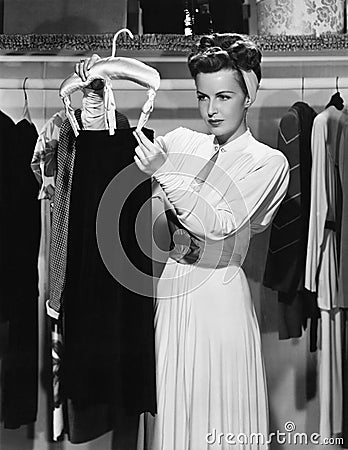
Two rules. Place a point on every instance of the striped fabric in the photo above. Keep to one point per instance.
(287, 248)
(285, 266)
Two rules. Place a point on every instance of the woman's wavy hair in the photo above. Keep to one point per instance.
(225, 51)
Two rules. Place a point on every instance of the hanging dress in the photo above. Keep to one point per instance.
(322, 263)
(21, 222)
(209, 366)
(107, 326)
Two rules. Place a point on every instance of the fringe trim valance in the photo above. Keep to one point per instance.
(171, 43)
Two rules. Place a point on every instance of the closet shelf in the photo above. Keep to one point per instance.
(168, 43)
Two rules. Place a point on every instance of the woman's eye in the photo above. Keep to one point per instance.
(201, 98)
(224, 97)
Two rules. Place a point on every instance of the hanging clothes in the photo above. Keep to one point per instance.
(342, 189)
(44, 160)
(82, 426)
(86, 420)
(322, 263)
(89, 422)
(22, 219)
(85, 424)
(285, 265)
(44, 167)
(106, 368)
(60, 217)
(108, 329)
(7, 136)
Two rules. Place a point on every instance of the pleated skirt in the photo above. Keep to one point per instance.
(211, 386)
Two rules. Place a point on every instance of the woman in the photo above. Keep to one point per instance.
(216, 191)
(210, 374)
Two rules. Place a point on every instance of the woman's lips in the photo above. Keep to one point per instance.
(215, 122)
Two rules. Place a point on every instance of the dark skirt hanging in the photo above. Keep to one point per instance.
(108, 328)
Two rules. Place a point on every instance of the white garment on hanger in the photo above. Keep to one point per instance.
(322, 264)
(330, 373)
(93, 110)
(321, 274)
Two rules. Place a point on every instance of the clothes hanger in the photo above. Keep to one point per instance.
(336, 99)
(26, 113)
(108, 69)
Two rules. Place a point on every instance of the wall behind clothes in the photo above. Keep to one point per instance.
(64, 16)
(291, 369)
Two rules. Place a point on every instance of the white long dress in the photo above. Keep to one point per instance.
(322, 263)
(210, 373)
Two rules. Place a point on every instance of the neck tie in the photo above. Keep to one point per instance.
(184, 247)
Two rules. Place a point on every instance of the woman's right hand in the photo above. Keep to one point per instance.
(82, 68)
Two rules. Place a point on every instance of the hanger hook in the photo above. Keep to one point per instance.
(23, 87)
(337, 84)
(123, 30)
(302, 89)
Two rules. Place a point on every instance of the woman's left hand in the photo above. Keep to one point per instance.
(149, 156)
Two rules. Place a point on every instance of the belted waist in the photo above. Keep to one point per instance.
(185, 248)
(208, 258)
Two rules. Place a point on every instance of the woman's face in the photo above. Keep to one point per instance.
(222, 104)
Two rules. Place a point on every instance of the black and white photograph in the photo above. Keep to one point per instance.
(173, 224)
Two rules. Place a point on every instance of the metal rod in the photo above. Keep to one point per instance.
(273, 84)
(265, 59)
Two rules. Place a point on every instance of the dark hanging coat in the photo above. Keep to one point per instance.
(285, 266)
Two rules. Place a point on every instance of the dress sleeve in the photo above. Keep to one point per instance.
(252, 200)
(44, 163)
(38, 151)
(170, 141)
(319, 204)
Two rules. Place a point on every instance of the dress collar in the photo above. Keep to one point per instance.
(240, 143)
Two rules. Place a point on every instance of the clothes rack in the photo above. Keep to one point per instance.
(162, 58)
(183, 84)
